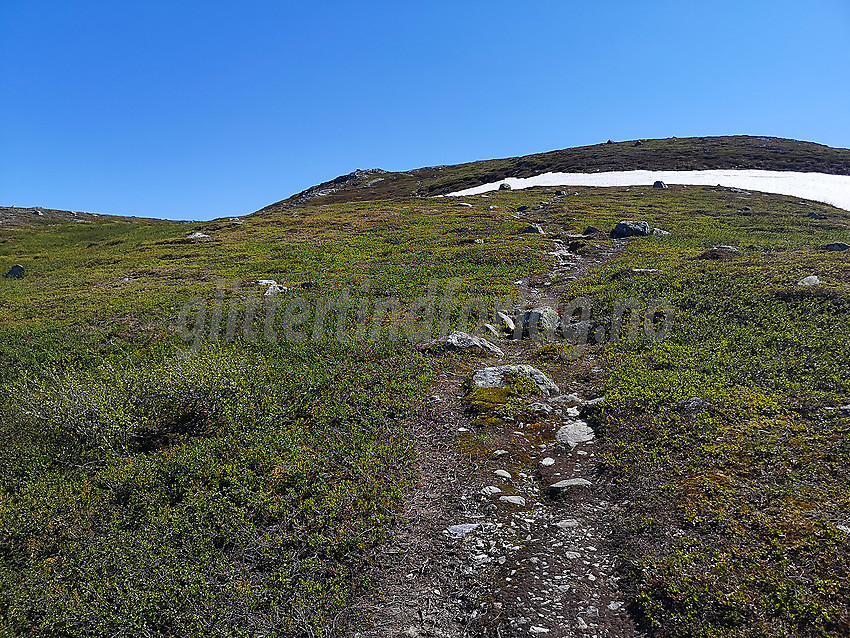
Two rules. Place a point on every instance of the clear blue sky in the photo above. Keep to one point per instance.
(195, 110)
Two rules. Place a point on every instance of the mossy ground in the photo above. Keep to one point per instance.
(266, 470)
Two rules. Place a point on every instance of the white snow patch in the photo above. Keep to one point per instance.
(819, 187)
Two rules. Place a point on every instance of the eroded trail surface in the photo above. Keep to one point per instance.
(511, 528)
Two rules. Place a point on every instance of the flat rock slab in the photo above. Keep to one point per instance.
(458, 340)
(519, 501)
(459, 531)
(495, 377)
(811, 280)
(573, 432)
(562, 486)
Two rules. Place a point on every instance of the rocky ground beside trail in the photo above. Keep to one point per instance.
(515, 536)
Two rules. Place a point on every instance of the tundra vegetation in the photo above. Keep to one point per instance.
(237, 491)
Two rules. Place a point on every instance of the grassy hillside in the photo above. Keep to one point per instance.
(237, 491)
(690, 153)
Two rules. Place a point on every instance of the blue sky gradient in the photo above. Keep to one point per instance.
(196, 110)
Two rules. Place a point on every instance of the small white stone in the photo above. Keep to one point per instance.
(491, 490)
(547, 462)
(503, 474)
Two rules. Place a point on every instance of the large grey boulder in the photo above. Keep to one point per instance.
(630, 228)
(540, 320)
(458, 340)
(496, 377)
(15, 272)
(836, 246)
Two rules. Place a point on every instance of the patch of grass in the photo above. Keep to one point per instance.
(278, 473)
(495, 405)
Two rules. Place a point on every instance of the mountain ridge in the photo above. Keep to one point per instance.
(691, 153)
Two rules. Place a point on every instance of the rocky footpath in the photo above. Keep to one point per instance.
(512, 528)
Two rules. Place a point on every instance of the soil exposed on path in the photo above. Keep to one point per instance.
(468, 558)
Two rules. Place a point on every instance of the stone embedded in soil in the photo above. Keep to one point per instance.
(503, 474)
(567, 523)
(574, 432)
(562, 486)
(513, 500)
(491, 490)
(461, 530)
(547, 462)
(495, 377)
(570, 399)
(811, 280)
(458, 340)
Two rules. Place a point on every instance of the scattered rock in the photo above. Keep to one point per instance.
(15, 272)
(814, 215)
(535, 229)
(535, 630)
(720, 252)
(638, 143)
(463, 204)
(694, 404)
(660, 184)
(491, 490)
(836, 246)
(507, 322)
(504, 186)
(592, 230)
(629, 228)
(309, 285)
(574, 432)
(541, 407)
(811, 280)
(658, 231)
(519, 501)
(568, 399)
(459, 531)
(567, 523)
(274, 290)
(197, 235)
(495, 377)
(503, 474)
(562, 486)
(494, 332)
(610, 142)
(542, 319)
(521, 209)
(458, 340)
(547, 462)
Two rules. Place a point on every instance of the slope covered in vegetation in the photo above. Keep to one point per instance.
(237, 490)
